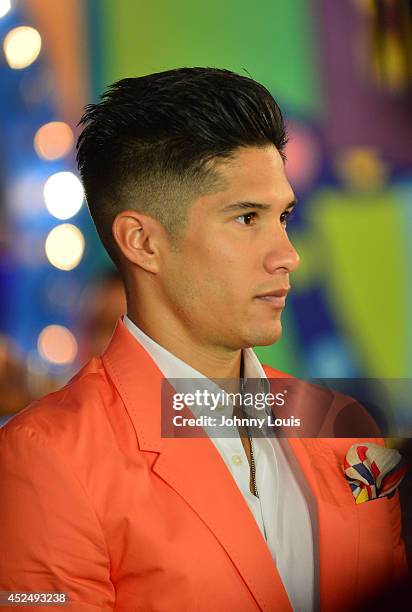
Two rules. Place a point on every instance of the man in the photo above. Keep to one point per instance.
(184, 176)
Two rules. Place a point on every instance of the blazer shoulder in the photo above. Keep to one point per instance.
(63, 413)
(85, 424)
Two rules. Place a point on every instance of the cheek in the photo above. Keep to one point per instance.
(208, 279)
(183, 282)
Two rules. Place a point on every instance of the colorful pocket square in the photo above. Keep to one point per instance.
(373, 471)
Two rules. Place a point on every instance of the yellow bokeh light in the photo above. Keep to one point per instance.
(53, 140)
(63, 194)
(362, 169)
(65, 246)
(21, 47)
(57, 345)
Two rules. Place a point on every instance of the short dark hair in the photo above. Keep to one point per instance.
(147, 144)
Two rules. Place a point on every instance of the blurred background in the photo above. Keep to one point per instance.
(342, 73)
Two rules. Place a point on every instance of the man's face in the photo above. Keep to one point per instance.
(233, 253)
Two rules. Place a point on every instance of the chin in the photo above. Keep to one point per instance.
(265, 337)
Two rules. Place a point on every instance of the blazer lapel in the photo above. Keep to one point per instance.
(317, 464)
(337, 521)
(195, 470)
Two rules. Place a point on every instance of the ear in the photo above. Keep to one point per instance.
(138, 237)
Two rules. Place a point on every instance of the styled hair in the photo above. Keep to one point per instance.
(149, 144)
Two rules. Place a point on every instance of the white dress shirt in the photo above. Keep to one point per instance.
(281, 510)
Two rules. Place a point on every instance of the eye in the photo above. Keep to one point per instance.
(248, 217)
(285, 217)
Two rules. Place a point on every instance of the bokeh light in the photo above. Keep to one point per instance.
(65, 246)
(21, 47)
(362, 169)
(63, 194)
(303, 156)
(53, 140)
(5, 6)
(57, 345)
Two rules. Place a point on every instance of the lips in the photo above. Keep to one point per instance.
(275, 298)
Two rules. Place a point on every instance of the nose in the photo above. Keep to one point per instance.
(281, 255)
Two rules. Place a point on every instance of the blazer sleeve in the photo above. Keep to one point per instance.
(51, 539)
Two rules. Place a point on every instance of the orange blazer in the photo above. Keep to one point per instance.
(96, 504)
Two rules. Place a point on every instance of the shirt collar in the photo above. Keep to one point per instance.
(181, 374)
(173, 367)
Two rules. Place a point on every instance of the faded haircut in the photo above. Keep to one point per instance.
(150, 142)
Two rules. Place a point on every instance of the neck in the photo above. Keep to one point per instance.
(212, 361)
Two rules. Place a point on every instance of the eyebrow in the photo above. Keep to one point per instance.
(255, 205)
